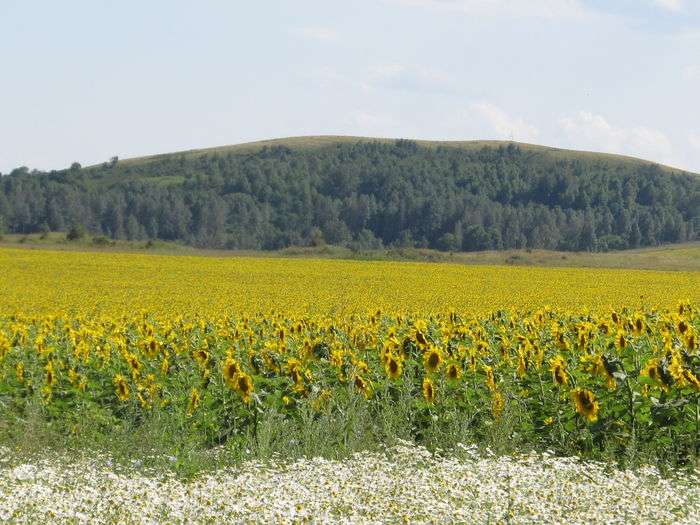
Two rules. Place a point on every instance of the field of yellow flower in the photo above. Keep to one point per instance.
(58, 282)
(287, 355)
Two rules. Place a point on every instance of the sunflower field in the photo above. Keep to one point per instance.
(239, 362)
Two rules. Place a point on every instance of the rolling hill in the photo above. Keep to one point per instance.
(365, 193)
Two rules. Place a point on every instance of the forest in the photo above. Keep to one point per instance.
(363, 195)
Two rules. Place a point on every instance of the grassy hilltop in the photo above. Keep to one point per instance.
(365, 194)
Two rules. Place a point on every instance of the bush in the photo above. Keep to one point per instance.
(45, 230)
(102, 241)
(75, 233)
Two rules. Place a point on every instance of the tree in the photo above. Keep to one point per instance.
(316, 237)
(401, 193)
(76, 232)
(449, 242)
(476, 238)
(134, 231)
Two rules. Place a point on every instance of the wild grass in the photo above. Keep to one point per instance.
(674, 257)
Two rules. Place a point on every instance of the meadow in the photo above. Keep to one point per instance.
(196, 364)
(348, 355)
(56, 282)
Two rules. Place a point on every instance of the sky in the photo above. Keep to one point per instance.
(85, 80)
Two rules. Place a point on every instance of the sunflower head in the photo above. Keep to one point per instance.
(454, 372)
(653, 370)
(231, 369)
(490, 379)
(49, 374)
(420, 331)
(121, 387)
(432, 359)
(559, 374)
(134, 363)
(393, 366)
(586, 404)
(244, 385)
(621, 340)
(202, 357)
(429, 390)
(195, 398)
(497, 404)
(362, 385)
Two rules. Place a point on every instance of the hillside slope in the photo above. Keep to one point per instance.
(365, 194)
(314, 142)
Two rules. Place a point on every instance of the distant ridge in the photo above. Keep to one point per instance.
(364, 193)
(325, 141)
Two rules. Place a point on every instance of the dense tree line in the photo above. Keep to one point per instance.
(364, 195)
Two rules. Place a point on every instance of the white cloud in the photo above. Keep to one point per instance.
(518, 8)
(503, 124)
(323, 34)
(670, 5)
(586, 130)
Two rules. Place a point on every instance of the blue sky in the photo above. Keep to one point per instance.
(86, 80)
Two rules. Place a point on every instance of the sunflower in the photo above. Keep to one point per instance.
(432, 359)
(122, 388)
(582, 337)
(135, 365)
(497, 404)
(362, 367)
(621, 340)
(615, 317)
(231, 369)
(691, 379)
(151, 347)
(585, 403)
(420, 330)
(454, 372)
(429, 390)
(244, 385)
(195, 398)
(202, 357)
(471, 353)
(490, 379)
(653, 370)
(558, 368)
(362, 385)
(676, 368)
(393, 366)
(562, 341)
(19, 371)
(603, 368)
(50, 374)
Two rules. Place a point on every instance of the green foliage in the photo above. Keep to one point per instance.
(75, 233)
(366, 195)
(515, 389)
